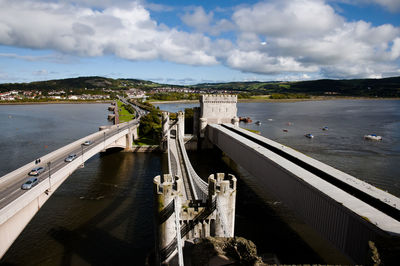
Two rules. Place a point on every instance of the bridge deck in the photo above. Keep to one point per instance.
(178, 166)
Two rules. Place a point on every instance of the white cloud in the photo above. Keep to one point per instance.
(198, 19)
(41, 72)
(256, 62)
(53, 58)
(292, 18)
(127, 32)
(308, 36)
(391, 5)
(289, 38)
(204, 22)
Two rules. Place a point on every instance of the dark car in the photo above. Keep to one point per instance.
(36, 171)
(30, 183)
(70, 158)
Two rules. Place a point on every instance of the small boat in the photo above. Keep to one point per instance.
(285, 130)
(270, 119)
(325, 128)
(258, 123)
(310, 136)
(245, 119)
(372, 137)
(289, 123)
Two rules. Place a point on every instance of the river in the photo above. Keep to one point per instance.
(342, 145)
(103, 213)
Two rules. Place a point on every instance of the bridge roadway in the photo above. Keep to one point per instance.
(345, 210)
(18, 206)
(10, 184)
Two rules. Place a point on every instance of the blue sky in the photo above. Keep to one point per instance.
(188, 42)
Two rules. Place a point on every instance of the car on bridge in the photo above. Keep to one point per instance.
(36, 171)
(70, 158)
(30, 183)
(88, 142)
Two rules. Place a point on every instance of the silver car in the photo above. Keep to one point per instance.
(36, 171)
(70, 158)
(30, 183)
(88, 142)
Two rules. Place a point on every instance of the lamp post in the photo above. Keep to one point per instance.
(104, 139)
(48, 165)
(82, 154)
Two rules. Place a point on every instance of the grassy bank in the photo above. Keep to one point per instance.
(146, 140)
(124, 114)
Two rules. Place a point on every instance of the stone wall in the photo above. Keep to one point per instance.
(217, 109)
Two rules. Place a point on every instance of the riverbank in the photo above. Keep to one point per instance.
(54, 102)
(264, 98)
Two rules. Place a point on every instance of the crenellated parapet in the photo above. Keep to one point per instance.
(217, 109)
(167, 201)
(222, 192)
(196, 219)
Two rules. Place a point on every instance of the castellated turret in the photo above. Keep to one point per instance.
(196, 219)
(217, 109)
(222, 192)
(167, 201)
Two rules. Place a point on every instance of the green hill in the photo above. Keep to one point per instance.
(386, 87)
(80, 83)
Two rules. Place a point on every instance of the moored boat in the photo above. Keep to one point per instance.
(372, 137)
(310, 136)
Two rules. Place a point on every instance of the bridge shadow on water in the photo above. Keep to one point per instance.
(102, 215)
(111, 237)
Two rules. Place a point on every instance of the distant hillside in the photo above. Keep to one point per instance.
(387, 87)
(79, 84)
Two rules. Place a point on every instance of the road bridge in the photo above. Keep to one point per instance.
(17, 206)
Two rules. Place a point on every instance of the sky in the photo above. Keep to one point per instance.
(189, 42)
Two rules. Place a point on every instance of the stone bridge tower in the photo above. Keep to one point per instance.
(217, 109)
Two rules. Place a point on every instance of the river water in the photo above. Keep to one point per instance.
(102, 215)
(342, 145)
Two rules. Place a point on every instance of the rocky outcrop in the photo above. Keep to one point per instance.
(221, 251)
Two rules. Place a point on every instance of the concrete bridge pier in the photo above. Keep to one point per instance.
(130, 137)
